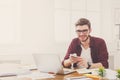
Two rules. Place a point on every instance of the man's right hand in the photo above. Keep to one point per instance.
(73, 59)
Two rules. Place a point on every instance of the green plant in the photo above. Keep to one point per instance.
(118, 73)
(101, 71)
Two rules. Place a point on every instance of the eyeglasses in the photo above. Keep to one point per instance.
(82, 31)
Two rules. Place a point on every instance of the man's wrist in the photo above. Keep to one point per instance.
(69, 61)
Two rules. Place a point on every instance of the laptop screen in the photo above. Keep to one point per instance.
(48, 62)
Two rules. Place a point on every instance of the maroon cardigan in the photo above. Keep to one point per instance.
(98, 49)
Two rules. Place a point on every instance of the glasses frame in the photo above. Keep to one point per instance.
(82, 31)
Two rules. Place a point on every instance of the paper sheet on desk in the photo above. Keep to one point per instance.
(8, 69)
(110, 74)
(80, 79)
(15, 78)
(37, 75)
(30, 67)
(84, 71)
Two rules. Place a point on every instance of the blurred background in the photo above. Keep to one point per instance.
(47, 26)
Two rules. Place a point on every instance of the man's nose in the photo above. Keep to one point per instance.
(80, 33)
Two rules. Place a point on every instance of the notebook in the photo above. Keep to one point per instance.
(50, 63)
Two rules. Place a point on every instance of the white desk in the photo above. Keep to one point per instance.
(35, 75)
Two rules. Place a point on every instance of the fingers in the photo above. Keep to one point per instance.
(82, 62)
(76, 59)
(79, 60)
(73, 59)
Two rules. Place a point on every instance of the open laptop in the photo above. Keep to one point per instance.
(50, 63)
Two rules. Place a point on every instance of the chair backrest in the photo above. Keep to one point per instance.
(111, 61)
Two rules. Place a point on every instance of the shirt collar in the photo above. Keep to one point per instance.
(91, 42)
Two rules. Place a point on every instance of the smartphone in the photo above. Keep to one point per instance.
(73, 55)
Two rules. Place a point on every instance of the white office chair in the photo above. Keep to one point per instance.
(111, 62)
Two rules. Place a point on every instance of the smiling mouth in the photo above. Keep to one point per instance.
(85, 39)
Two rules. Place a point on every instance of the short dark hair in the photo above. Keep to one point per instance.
(83, 21)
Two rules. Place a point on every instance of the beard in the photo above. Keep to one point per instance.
(84, 40)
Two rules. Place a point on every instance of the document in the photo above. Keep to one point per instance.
(78, 78)
(84, 71)
(110, 74)
(37, 75)
(8, 69)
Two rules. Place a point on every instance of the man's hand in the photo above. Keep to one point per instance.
(73, 58)
(82, 62)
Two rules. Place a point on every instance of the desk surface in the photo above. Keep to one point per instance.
(62, 77)
(57, 77)
(24, 77)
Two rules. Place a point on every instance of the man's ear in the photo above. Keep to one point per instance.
(90, 30)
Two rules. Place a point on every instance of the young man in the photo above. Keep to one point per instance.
(91, 52)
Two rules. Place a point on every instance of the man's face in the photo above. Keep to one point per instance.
(83, 32)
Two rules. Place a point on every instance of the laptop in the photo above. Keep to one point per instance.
(50, 63)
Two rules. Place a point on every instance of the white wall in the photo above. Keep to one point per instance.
(35, 30)
(32, 28)
(36, 27)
